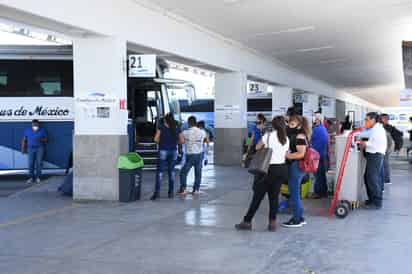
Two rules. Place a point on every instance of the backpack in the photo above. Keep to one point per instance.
(310, 163)
(397, 137)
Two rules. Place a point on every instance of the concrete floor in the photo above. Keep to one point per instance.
(42, 232)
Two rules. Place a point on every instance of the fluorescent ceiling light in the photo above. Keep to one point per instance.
(315, 49)
(230, 1)
(333, 61)
(292, 30)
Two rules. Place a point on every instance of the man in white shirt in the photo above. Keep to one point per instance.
(194, 140)
(375, 148)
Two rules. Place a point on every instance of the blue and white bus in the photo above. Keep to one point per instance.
(36, 82)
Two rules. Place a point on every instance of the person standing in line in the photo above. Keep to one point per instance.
(300, 133)
(347, 125)
(257, 132)
(34, 144)
(384, 119)
(168, 136)
(194, 140)
(410, 130)
(375, 149)
(201, 125)
(319, 142)
(409, 148)
(278, 141)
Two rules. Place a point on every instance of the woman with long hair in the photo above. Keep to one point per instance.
(168, 136)
(278, 141)
(299, 132)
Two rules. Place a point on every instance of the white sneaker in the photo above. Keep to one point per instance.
(29, 181)
(38, 181)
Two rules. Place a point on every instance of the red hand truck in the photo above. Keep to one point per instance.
(341, 208)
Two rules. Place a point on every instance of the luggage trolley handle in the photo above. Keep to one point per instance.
(342, 171)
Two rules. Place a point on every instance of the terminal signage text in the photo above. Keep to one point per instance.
(36, 108)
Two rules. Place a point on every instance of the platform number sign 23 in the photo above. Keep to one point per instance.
(142, 66)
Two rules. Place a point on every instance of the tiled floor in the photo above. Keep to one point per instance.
(42, 232)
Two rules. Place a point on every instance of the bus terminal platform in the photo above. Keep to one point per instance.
(43, 232)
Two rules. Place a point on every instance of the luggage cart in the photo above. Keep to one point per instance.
(350, 190)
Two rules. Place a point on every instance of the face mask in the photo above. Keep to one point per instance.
(291, 131)
(314, 120)
(35, 128)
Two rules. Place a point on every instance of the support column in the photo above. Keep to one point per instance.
(310, 106)
(282, 98)
(100, 91)
(328, 107)
(230, 117)
(340, 110)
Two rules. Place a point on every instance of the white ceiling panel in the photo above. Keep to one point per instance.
(351, 44)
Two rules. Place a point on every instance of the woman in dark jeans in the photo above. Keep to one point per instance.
(299, 132)
(278, 173)
(168, 136)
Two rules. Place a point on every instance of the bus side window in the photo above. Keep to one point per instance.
(51, 86)
(51, 78)
(12, 75)
(3, 79)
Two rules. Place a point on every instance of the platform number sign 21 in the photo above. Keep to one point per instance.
(143, 66)
(133, 60)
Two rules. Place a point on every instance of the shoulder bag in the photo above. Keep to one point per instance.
(261, 160)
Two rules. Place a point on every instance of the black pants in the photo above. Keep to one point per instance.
(269, 184)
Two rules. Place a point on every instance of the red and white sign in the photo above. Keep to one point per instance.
(122, 104)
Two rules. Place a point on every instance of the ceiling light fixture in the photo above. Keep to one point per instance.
(292, 30)
(333, 61)
(229, 2)
(314, 49)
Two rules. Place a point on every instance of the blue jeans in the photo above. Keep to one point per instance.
(35, 157)
(382, 175)
(321, 185)
(373, 178)
(295, 180)
(387, 168)
(166, 158)
(192, 160)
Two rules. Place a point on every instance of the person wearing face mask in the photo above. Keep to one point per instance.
(278, 173)
(257, 132)
(33, 143)
(299, 133)
(320, 144)
(375, 149)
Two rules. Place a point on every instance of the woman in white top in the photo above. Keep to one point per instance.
(277, 174)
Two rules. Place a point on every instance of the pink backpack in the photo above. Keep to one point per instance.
(310, 163)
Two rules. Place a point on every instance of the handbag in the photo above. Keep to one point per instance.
(310, 163)
(261, 160)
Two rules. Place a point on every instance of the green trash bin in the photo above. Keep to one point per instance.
(130, 167)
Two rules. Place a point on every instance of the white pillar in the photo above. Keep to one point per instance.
(100, 84)
(230, 117)
(328, 107)
(282, 99)
(310, 106)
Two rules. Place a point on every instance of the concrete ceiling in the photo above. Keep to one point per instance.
(354, 45)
